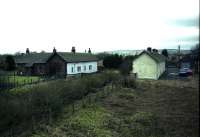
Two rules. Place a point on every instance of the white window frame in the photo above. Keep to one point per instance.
(72, 69)
(79, 69)
(90, 67)
(85, 68)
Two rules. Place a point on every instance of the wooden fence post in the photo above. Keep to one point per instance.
(32, 123)
(96, 97)
(50, 116)
(119, 127)
(89, 100)
(83, 103)
(73, 108)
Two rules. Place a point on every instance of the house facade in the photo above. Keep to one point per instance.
(149, 65)
(56, 63)
(81, 67)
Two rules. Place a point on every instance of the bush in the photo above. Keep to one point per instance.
(14, 111)
(73, 90)
(144, 124)
(112, 61)
(9, 63)
(46, 99)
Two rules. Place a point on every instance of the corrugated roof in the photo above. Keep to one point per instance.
(156, 56)
(43, 57)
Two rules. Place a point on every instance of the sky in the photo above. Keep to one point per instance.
(102, 25)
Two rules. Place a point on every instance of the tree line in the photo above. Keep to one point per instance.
(7, 62)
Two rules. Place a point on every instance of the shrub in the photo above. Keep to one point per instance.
(46, 98)
(144, 124)
(112, 61)
(9, 63)
(73, 90)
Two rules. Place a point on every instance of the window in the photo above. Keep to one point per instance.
(79, 69)
(84, 68)
(72, 69)
(90, 67)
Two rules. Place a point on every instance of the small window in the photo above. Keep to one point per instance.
(72, 69)
(90, 67)
(84, 68)
(79, 69)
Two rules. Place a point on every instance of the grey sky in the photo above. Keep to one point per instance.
(186, 22)
(102, 25)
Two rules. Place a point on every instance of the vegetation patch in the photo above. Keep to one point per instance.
(19, 80)
(87, 122)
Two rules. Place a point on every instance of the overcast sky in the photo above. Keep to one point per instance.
(102, 25)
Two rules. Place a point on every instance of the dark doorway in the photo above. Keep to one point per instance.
(55, 68)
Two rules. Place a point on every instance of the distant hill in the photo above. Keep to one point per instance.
(136, 52)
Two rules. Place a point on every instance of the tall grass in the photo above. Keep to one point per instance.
(47, 100)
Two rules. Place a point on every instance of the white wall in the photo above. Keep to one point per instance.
(161, 68)
(81, 64)
(145, 67)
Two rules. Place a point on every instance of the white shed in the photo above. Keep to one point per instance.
(149, 65)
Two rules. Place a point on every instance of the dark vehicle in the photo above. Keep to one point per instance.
(184, 72)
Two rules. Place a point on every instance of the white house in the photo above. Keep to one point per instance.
(149, 65)
(57, 63)
(81, 67)
(79, 63)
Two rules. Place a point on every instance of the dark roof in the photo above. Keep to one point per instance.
(77, 57)
(2, 58)
(155, 56)
(30, 59)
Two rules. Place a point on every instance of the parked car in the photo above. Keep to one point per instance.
(185, 72)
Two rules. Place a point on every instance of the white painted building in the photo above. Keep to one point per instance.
(79, 63)
(149, 65)
(81, 67)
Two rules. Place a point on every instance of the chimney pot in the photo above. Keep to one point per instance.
(73, 50)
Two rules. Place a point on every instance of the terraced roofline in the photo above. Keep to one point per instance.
(44, 57)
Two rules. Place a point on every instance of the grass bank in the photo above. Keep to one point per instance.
(153, 109)
(26, 106)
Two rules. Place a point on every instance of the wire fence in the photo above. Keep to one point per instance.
(14, 81)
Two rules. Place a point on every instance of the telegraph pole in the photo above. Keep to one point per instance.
(179, 54)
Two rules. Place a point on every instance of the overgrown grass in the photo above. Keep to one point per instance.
(20, 80)
(154, 109)
(47, 99)
(87, 122)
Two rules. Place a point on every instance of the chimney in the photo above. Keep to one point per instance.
(155, 51)
(89, 51)
(149, 49)
(73, 50)
(27, 51)
(54, 50)
(179, 49)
